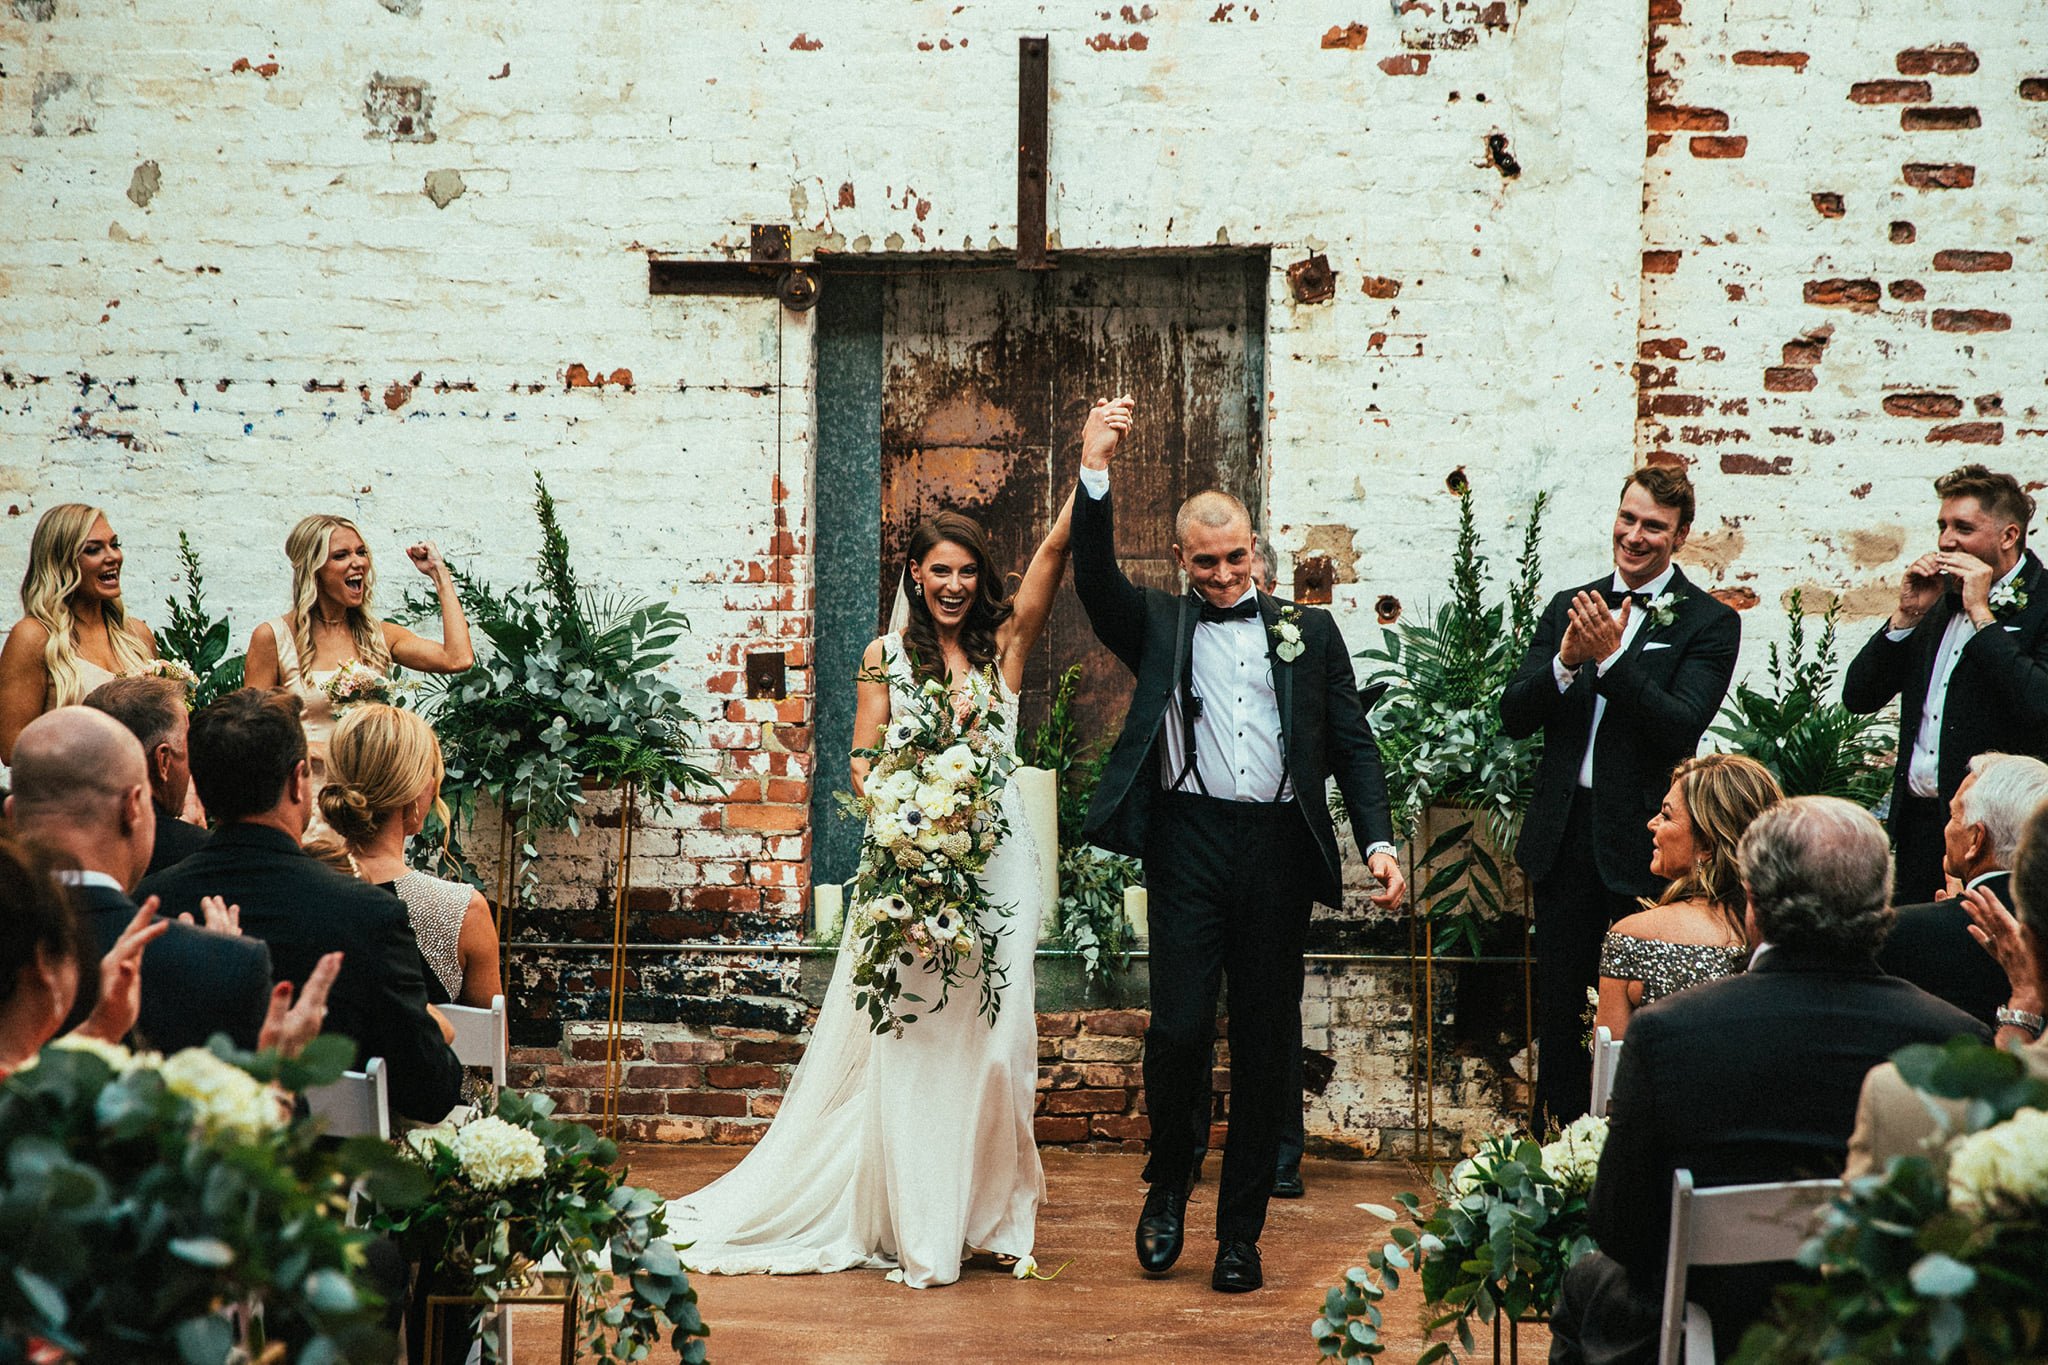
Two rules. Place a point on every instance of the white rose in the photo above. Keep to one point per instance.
(1573, 1157)
(953, 766)
(227, 1099)
(494, 1153)
(937, 800)
(1290, 632)
(2003, 1164)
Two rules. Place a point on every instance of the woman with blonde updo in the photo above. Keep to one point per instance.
(1694, 932)
(74, 633)
(383, 776)
(331, 625)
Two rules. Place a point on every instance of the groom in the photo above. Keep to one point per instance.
(1245, 707)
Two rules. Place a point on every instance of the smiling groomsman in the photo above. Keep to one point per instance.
(1622, 678)
(1966, 654)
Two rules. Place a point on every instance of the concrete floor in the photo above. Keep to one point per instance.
(1101, 1308)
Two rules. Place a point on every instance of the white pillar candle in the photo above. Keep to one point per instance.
(1137, 909)
(827, 902)
(1039, 796)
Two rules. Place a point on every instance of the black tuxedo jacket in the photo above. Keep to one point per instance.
(1997, 696)
(175, 840)
(1662, 694)
(1746, 1079)
(302, 909)
(1930, 946)
(1322, 726)
(194, 983)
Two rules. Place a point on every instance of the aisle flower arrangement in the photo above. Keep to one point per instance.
(143, 1197)
(507, 1190)
(932, 804)
(1506, 1224)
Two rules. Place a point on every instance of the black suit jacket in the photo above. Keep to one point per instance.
(1997, 696)
(194, 983)
(1930, 946)
(1746, 1079)
(302, 909)
(176, 840)
(1323, 728)
(1662, 694)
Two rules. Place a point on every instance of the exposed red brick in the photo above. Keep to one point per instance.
(767, 817)
(593, 1050)
(1931, 406)
(1751, 464)
(1789, 379)
(1064, 1129)
(764, 1106)
(1971, 320)
(1972, 261)
(1350, 36)
(1950, 59)
(1654, 143)
(1086, 1101)
(1742, 599)
(1807, 350)
(1943, 120)
(710, 1103)
(1660, 262)
(1907, 291)
(1752, 57)
(803, 42)
(1859, 296)
(1931, 175)
(1060, 1025)
(1736, 293)
(1671, 118)
(1861, 490)
(1969, 433)
(652, 1076)
(1380, 287)
(1668, 458)
(846, 194)
(1903, 232)
(1125, 1127)
(1666, 11)
(1719, 148)
(1662, 348)
(1406, 64)
(1677, 405)
(1116, 1023)
(1655, 376)
(2034, 88)
(1891, 92)
(1989, 405)
(745, 1076)
(704, 1051)
(1828, 204)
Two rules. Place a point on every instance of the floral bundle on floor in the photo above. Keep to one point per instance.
(1941, 1257)
(1507, 1223)
(143, 1197)
(933, 810)
(516, 1186)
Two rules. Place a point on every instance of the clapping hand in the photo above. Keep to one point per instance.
(287, 1027)
(1108, 420)
(113, 1018)
(1592, 632)
(1993, 926)
(221, 918)
(1386, 868)
(427, 560)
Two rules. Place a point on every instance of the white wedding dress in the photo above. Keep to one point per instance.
(898, 1153)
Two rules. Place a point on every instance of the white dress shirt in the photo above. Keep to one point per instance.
(1923, 769)
(1565, 676)
(74, 876)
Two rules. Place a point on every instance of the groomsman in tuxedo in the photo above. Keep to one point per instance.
(1966, 654)
(1622, 677)
(1245, 707)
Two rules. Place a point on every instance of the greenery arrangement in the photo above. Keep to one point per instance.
(143, 1195)
(196, 640)
(1439, 729)
(1939, 1258)
(571, 690)
(1508, 1221)
(1812, 745)
(509, 1188)
(1090, 917)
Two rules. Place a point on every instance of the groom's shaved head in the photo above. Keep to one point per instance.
(1212, 508)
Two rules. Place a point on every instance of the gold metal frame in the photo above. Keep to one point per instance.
(622, 882)
(568, 1298)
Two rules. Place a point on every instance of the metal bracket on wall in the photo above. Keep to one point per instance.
(1033, 94)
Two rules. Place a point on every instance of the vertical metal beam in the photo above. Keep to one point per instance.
(1033, 93)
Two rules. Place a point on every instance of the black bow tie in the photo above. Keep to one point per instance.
(1615, 599)
(1243, 611)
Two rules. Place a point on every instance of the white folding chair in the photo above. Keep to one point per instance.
(1731, 1225)
(482, 1037)
(357, 1105)
(1606, 1057)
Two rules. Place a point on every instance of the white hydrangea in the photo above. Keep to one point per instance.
(113, 1054)
(1573, 1157)
(495, 1153)
(227, 1098)
(2006, 1163)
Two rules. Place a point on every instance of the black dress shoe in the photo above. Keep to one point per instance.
(1287, 1181)
(1160, 1227)
(1237, 1267)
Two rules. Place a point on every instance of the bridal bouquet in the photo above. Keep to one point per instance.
(933, 818)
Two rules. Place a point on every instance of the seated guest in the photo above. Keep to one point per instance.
(1694, 931)
(249, 765)
(383, 776)
(81, 791)
(1930, 945)
(154, 711)
(1750, 1078)
(1893, 1119)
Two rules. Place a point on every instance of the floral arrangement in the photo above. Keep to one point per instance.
(933, 809)
(506, 1190)
(1940, 1257)
(1507, 1223)
(193, 646)
(172, 669)
(355, 681)
(1663, 608)
(142, 1195)
(1286, 635)
(2007, 599)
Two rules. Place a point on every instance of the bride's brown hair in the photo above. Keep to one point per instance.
(990, 608)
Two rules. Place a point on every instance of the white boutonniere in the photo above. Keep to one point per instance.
(1286, 633)
(1663, 609)
(2007, 599)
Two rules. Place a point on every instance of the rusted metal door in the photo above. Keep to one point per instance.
(987, 376)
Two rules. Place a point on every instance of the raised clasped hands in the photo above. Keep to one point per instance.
(1929, 576)
(1107, 422)
(1592, 632)
(1386, 869)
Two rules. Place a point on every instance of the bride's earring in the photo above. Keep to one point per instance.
(916, 588)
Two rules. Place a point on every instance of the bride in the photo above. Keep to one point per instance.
(908, 1152)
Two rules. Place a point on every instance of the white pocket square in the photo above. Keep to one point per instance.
(2012, 627)
(1656, 644)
